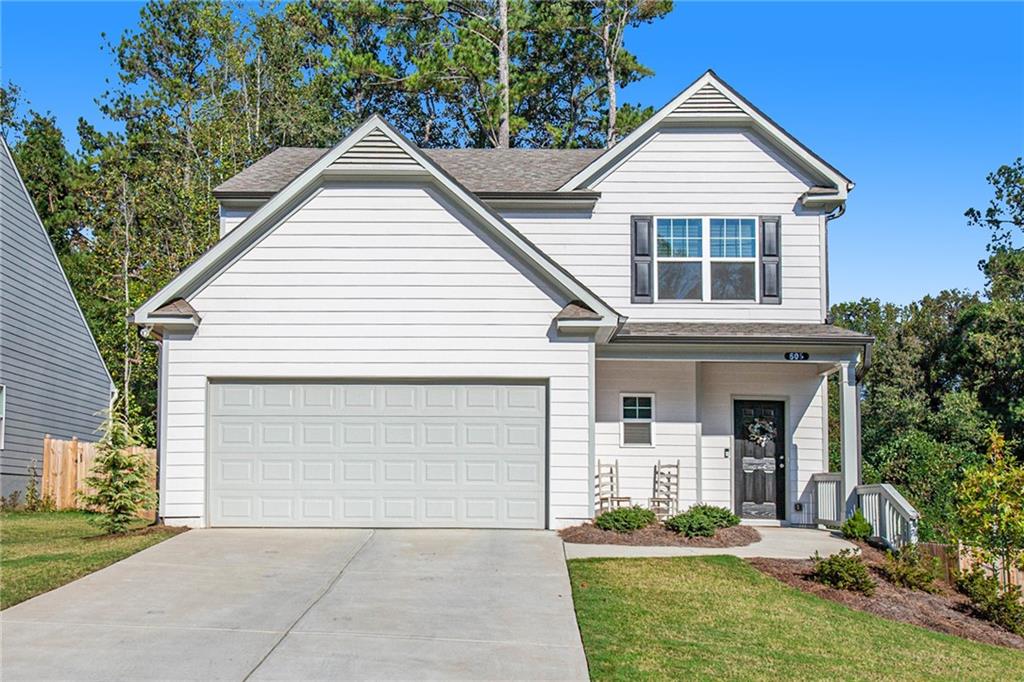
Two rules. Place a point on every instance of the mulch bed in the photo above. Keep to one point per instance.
(947, 611)
(589, 534)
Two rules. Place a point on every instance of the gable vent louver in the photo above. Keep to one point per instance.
(708, 100)
(375, 150)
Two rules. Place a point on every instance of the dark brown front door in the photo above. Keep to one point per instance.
(760, 459)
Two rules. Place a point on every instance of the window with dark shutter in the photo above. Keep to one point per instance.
(771, 259)
(642, 266)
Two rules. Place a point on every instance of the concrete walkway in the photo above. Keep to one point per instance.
(311, 605)
(776, 543)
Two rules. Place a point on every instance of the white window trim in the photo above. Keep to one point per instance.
(706, 260)
(3, 415)
(623, 420)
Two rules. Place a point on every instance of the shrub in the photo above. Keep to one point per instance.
(845, 571)
(625, 519)
(35, 501)
(908, 567)
(692, 525)
(701, 520)
(1001, 606)
(120, 478)
(856, 527)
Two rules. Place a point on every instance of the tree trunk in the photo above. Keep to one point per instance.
(610, 82)
(503, 122)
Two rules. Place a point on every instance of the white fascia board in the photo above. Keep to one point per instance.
(751, 116)
(210, 264)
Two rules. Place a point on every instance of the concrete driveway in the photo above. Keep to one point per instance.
(309, 604)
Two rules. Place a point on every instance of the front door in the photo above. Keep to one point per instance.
(760, 459)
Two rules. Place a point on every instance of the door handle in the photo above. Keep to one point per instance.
(727, 453)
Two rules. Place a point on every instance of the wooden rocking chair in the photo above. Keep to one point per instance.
(664, 500)
(606, 488)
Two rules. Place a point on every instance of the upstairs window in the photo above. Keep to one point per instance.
(706, 259)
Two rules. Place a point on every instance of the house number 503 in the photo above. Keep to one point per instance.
(797, 356)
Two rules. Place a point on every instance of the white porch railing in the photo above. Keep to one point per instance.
(893, 519)
(828, 499)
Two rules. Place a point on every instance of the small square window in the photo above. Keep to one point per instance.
(637, 420)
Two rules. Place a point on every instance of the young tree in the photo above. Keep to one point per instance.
(120, 478)
(991, 509)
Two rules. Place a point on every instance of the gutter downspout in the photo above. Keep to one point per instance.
(834, 215)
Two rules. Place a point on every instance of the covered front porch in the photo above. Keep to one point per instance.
(745, 417)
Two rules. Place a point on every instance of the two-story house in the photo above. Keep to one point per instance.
(394, 336)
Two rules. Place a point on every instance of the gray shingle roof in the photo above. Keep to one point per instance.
(577, 310)
(479, 170)
(269, 175)
(178, 307)
(762, 332)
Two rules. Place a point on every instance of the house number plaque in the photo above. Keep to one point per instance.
(792, 355)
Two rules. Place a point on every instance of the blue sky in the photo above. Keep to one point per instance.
(916, 102)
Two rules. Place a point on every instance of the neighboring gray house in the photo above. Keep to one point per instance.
(52, 378)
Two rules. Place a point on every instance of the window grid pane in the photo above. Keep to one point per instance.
(680, 237)
(636, 407)
(733, 238)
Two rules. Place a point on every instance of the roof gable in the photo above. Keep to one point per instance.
(373, 150)
(711, 101)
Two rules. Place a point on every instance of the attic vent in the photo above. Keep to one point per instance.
(708, 100)
(375, 150)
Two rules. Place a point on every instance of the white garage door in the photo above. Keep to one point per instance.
(385, 455)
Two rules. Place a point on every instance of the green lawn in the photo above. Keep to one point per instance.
(716, 617)
(43, 550)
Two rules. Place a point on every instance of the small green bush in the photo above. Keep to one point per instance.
(908, 567)
(856, 527)
(701, 520)
(1002, 606)
(691, 525)
(625, 519)
(845, 571)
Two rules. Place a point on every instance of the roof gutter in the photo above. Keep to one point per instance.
(746, 340)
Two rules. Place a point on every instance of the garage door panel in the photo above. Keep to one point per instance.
(434, 510)
(378, 455)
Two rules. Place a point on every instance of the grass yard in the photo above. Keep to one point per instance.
(43, 550)
(717, 617)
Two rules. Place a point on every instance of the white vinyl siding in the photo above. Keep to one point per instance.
(715, 172)
(377, 281)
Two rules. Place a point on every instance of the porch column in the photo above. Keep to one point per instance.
(849, 430)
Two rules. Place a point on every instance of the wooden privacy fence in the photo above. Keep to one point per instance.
(951, 561)
(66, 465)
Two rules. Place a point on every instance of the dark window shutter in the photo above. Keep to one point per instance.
(771, 259)
(642, 266)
